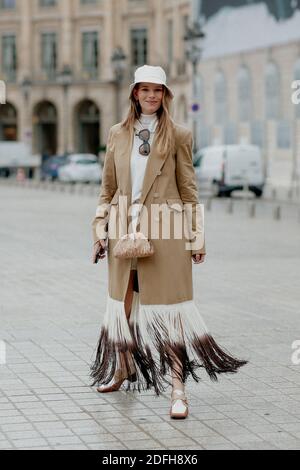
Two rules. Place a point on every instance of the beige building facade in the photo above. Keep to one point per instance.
(55, 59)
(246, 97)
(247, 77)
(56, 64)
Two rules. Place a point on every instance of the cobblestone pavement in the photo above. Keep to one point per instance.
(51, 304)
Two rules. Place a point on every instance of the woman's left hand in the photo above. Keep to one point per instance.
(199, 258)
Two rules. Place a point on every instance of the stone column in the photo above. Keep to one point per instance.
(25, 39)
(111, 36)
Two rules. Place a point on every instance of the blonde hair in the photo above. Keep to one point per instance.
(164, 131)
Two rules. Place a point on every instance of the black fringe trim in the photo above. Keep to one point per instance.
(157, 374)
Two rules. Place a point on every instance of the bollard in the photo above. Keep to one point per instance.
(209, 203)
(230, 206)
(21, 176)
(252, 210)
(91, 190)
(274, 193)
(277, 213)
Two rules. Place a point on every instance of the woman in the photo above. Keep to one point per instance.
(152, 328)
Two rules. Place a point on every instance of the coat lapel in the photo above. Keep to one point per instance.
(155, 162)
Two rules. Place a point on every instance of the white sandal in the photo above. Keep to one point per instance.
(179, 408)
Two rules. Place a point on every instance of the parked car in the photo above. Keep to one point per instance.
(49, 169)
(226, 168)
(84, 168)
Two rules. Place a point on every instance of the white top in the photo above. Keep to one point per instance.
(138, 162)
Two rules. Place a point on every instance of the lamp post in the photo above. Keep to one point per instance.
(65, 79)
(118, 61)
(193, 40)
(26, 86)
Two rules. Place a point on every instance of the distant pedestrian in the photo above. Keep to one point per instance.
(152, 327)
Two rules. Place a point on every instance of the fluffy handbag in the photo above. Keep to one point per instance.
(133, 245)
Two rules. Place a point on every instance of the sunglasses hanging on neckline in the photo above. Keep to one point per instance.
(144, 148)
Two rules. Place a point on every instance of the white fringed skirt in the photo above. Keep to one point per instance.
(156, 343)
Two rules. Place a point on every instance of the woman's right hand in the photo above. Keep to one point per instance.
(99, 250)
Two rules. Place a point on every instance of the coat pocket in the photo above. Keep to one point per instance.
(175, 204)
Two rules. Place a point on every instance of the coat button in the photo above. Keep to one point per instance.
(156, 195)
(159, 172)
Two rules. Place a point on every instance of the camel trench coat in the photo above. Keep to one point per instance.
(169, 182)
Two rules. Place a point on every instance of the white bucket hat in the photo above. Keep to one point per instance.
(151, 74)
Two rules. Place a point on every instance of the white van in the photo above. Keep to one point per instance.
(225, 168)
(15, 155)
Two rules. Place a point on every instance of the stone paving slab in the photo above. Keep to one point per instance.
(52, 301)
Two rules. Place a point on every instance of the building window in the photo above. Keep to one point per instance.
(185, 24)
(49, 54)
(283, 135)
(257, 133)
(90, 53)
(204, 133)
(272, 91)
(220, 98)
(7, 4)
(48, 3)
(297, 77)
(9, 57)
(86, 2)
(139, 47)
(244, 94)
(230, 133)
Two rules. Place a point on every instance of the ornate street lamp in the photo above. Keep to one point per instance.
(193, 40)
(26, 85)
(118, 61)
(65, 78)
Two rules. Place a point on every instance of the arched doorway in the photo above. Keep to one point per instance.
(8, 122)
(88, 125)
(45, 128)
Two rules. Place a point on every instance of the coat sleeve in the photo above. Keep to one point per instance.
(187, 186)
(107, 190)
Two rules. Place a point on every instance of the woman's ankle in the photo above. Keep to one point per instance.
(177, 385)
